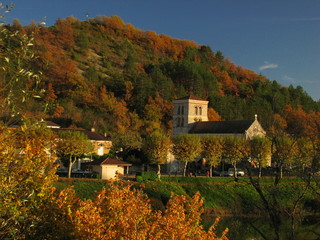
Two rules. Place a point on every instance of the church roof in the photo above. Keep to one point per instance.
(191, 98)
(221, 127)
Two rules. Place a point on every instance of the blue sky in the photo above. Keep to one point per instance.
(277, 38)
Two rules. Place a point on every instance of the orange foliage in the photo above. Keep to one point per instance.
(56, 64)
(301, 123)
(213, 115)
(65, 33)
(118, 110)
(122, 213)
(225, 80)
(50, 95)
(58, 111)
(165, 109)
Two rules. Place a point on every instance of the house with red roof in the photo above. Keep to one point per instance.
(110, 168)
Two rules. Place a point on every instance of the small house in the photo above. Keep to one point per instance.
(110, 168)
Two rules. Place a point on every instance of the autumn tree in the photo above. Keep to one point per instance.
(212, 150)
(213, 115)
(181, 220)
(186, 148)
(71, 145)
(27, 173)
(156, 146)
(123, 212)
(157, 114)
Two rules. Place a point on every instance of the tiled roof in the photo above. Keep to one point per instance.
(221, 127)
(51, 124)
(110, 161)
(91, 135)
(115, 161)
(191, 98)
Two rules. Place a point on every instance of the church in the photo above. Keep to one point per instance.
(190, 115)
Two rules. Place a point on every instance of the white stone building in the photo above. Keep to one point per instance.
(190, 115)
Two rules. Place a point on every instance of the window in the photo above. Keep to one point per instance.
(182, 110)
(178, 122)
(100, 150)
(182, 120)
(196, 110)
(200, 110)
(179, 110)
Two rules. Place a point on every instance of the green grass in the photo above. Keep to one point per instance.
(222, 195)
(84, 188)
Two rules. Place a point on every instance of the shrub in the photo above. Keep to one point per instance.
(147, 176)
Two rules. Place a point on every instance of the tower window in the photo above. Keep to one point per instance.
(179, 110)
(196, 110)
(182, 120)
(200, 110)
(182, 110)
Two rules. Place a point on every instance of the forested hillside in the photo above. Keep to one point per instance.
(110, 75)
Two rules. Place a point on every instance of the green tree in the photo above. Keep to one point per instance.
(19, 81)
(212, 150)
(260, 152)
(124, 143)
(156, 146)
(236, 149)
(284, 151)
(186, 148)
(71, 146)
(307, 151)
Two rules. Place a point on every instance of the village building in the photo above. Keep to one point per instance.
(110, 168)
(190, 115)
(101, 144)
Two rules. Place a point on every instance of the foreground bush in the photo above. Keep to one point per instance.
(31, 207)
(120, 212)
(26, 176)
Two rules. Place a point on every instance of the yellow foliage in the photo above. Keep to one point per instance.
(120, 212)
(31, 208)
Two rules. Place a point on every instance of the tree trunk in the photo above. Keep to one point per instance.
(70, 167)
(273, 213)
(185, 168)
(235, 172)
(260, 171)
(159, 171)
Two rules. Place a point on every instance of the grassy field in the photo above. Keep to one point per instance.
(222, 195)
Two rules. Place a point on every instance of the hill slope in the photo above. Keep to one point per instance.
(110, 75)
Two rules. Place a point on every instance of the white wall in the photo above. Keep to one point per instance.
(186, 112)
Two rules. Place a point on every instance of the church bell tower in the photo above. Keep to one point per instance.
(186, 111)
